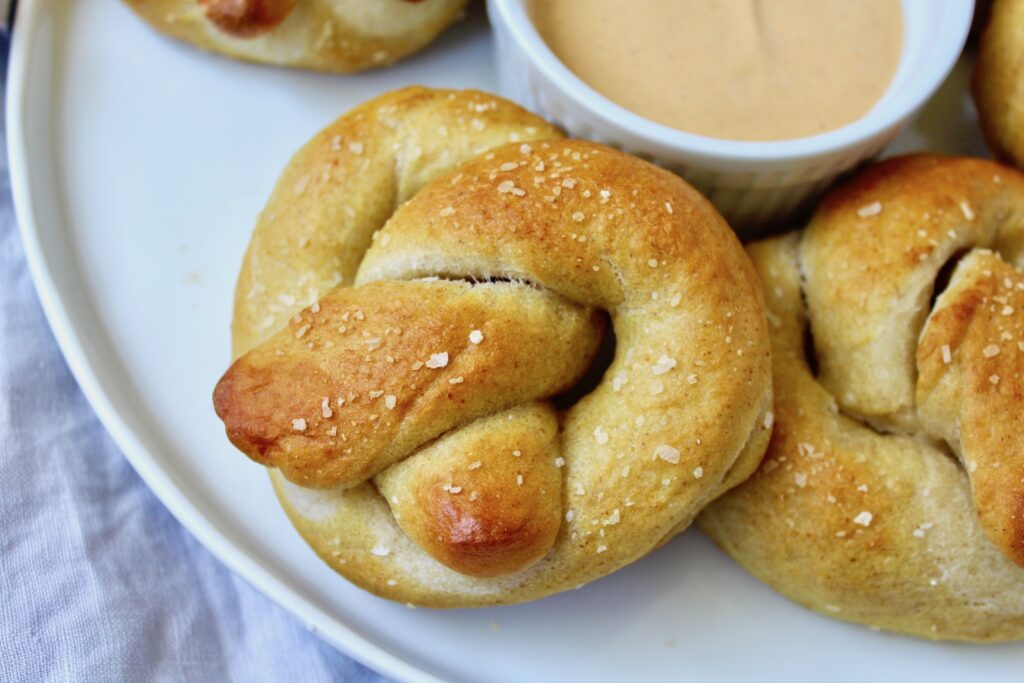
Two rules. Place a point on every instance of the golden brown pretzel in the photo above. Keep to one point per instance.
(892, 492)
(998, 83)
(326, 35)
(398, 377)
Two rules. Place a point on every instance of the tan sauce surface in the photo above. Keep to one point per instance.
(734, 69)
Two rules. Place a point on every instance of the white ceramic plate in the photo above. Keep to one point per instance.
(139, 166)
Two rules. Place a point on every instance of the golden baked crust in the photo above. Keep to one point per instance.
(998, 83)
(493, 529)
(499, 273)
(861, 509)
(325, 362)
(341, 36)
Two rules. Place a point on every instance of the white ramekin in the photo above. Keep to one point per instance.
(753, 184)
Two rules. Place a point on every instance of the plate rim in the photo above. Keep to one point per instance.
(24, 179)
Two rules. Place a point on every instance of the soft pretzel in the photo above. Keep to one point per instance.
(998, 83)
(326, 35)
(398, 378)
(892, 493)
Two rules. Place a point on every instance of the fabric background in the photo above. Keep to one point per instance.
(98, 582)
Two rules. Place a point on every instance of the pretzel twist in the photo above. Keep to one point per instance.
(341, 36)
(406, 411)
(858, 510)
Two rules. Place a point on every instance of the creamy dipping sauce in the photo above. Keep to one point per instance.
(733, 69)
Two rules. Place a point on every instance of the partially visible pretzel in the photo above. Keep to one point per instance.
(892, 493)
(998, 83)
(400, 384)
(326, 35)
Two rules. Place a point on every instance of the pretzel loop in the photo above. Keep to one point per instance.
(396, 378)
(892, 493)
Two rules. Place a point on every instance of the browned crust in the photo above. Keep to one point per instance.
(998, 82)
(348, 389)
(508, 508)
(981, 389)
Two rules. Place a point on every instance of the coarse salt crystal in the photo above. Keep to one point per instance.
(667, 453)
(663, 365)
(863, 519)
(618, 380)
(967, 210)
(437, 360)
(872, 209)
(299, 424)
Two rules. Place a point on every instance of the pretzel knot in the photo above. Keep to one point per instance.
(407, 408)
(908, 281)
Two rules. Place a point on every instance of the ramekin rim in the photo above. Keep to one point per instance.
(955, 28)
